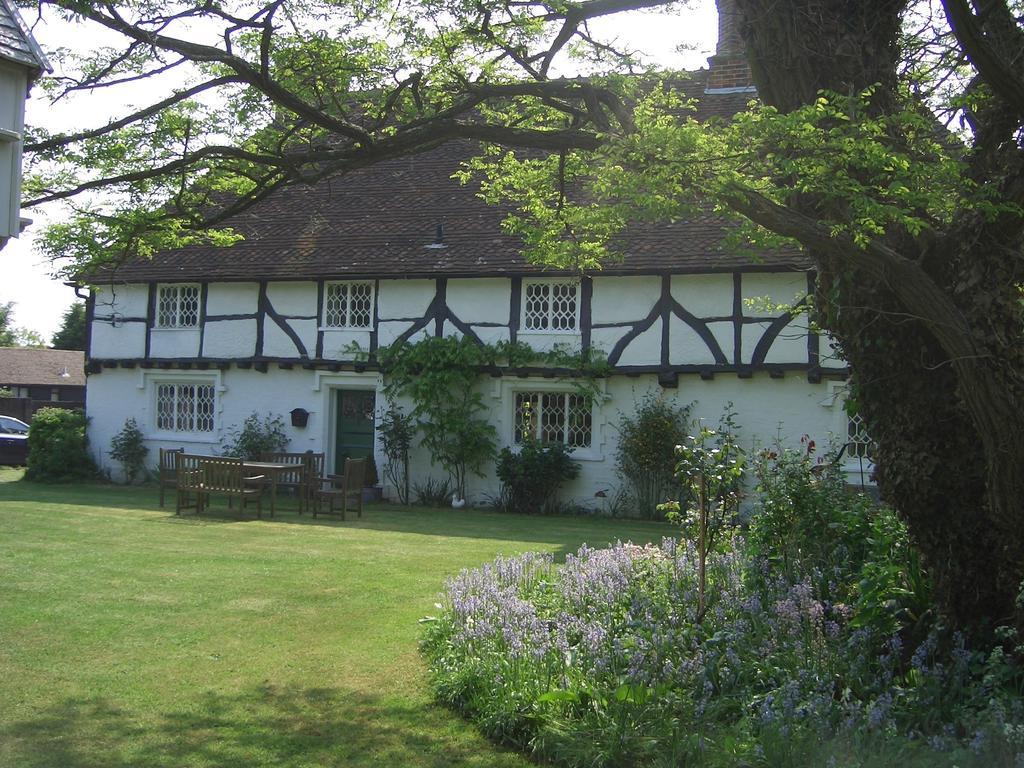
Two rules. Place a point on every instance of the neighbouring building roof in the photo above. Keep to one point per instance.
(378, 222)
(17, 43)
(52, 367)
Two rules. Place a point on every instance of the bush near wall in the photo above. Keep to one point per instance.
(57, 447)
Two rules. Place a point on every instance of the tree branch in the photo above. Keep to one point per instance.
(245, 71)
(142, 114)
(997, 72)
(904, 277)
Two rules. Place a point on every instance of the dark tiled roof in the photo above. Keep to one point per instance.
(377, 222)
(16, 41)
(24, 366)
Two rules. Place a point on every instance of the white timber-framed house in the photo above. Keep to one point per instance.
(194, 340)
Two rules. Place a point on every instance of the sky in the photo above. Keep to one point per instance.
(40, 299)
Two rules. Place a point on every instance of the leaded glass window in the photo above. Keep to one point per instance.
(553, 417)
(551, 305)
(348, 305)
(177, 306)
(185, 407)
(859, 444)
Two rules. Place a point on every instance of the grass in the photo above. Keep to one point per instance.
(131, 637)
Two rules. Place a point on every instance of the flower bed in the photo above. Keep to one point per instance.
(605, 661)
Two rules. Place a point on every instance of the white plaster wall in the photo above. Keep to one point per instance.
(605, 339)
(296, 299)
(388, 332)
(777, 287)
(704, 295)
(790, 346)
(338, 341)
(232, 298)
(128, 340)
(766, 409)
(480, 300)
(397, 299)
(686, 347)
(723, 331)
(117, 394)
(174, 342)
(490, 334)
(545, 342)
(229, 338)
(124, 300)
(276, 343)
(624, 299)
(645, 349)
(113, 304)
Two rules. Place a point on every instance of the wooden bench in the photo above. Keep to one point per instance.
(204, 476)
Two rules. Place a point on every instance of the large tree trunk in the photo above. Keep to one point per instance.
(933, 342)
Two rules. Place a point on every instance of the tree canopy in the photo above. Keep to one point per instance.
(15, 336)
(886, 143)
(72, 331)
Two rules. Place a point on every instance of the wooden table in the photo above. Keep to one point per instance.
(272, 470)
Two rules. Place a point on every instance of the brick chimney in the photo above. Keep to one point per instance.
(728, 68)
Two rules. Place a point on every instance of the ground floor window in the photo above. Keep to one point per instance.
(553, 417)
(185, 407)
(859, 444)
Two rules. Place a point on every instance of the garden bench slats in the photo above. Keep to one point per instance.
(203, 476)
(167, 470)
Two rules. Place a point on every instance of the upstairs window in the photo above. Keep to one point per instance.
(551, 305)
(185, 407)
(553, 417)
(348, 305)
(177, 306)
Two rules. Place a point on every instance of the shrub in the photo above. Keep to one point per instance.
(128, 447)
(432, 492)
(530, 477)
(440, 374)
(57, 447)
(645, 458)
(256, 436)
(396, 430)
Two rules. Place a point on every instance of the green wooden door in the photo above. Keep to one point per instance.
(353, 434)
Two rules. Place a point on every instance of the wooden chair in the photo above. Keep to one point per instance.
(348, 486)
(314, 463)
(167, 470)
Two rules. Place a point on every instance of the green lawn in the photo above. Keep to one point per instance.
(130, 637)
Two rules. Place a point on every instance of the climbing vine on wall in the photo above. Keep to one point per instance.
(440, 375)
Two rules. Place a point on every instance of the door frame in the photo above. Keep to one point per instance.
(327, 384)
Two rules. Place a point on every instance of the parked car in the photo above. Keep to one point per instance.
(13, 441)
